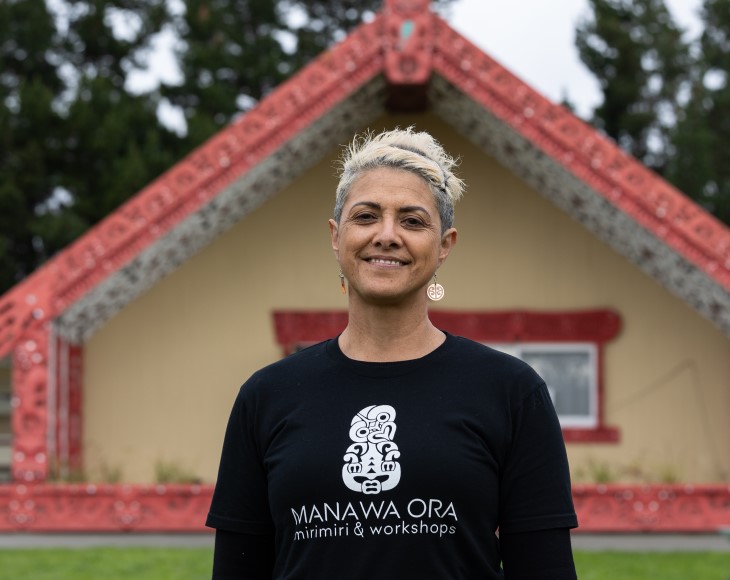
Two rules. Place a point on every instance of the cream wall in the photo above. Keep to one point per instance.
(160, 377)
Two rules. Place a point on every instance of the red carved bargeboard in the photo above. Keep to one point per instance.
(183, 508)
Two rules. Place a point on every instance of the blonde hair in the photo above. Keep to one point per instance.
(406, 149)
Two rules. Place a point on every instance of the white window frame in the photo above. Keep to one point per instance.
(589, 421)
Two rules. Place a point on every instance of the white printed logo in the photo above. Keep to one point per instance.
(370, 465)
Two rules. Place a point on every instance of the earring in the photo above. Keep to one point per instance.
(435, 291)
(342, 283)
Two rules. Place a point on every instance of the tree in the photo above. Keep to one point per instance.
(665, 99)
(641, 61)
(28, 85)
(701, 138)
(74, 142)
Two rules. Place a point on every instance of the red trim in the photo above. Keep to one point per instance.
(295, 328)
(600, 326)
(600, 434)
(183, 508)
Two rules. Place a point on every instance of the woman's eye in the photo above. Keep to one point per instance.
(364, 217)
(413, 222)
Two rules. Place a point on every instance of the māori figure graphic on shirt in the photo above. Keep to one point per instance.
(370, 461)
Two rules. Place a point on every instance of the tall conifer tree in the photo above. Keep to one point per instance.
(665, 97)
(642, 62)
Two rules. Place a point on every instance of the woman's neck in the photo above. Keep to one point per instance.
(387, 334)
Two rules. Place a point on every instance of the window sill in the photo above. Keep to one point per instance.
(591, 435)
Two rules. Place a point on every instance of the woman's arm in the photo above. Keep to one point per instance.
(243, 556)
(541, 555)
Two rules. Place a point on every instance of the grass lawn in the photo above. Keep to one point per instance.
(107, 564)
(653, 565)
(194, 564)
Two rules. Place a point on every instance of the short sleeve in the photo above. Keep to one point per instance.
(240, 499)
(535, 491)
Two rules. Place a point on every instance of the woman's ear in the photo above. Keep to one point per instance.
(334, 236)
(448, 241)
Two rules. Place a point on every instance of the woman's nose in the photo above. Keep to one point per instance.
(387, 234)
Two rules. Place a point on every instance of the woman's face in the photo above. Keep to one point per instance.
(389, 242)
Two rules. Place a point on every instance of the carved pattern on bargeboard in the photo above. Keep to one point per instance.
(231, 205)
(578, 199)
(155, 211)
(629, 185)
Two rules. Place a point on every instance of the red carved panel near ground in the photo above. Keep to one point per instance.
(104, 508)
(656, 508)
(183, 508)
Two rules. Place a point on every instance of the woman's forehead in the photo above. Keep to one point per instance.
(386, 185)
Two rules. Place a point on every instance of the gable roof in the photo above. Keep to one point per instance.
(405, 58)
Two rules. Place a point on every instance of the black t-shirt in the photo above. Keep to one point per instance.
(392, 470)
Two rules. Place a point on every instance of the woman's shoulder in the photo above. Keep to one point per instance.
(297, 365)
(481, 350)
(469, 353)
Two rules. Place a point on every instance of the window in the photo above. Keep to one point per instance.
(5, 425)
(565, 348)
(570, 371)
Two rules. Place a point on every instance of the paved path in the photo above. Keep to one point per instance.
(652, 542)
(105, 540)
(581, 541)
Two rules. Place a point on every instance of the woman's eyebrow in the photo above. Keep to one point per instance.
(370, 204)
(408, 208)
(404, 209)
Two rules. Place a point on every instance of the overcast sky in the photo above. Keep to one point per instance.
(534, 39)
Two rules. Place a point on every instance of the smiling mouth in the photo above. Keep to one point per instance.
(385, 262)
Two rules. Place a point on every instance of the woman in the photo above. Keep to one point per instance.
(396, 450)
